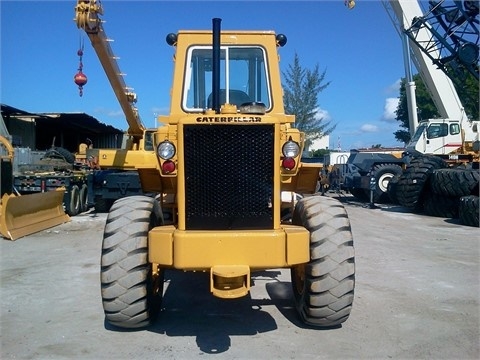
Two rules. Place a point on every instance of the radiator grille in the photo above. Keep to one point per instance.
(229, 176)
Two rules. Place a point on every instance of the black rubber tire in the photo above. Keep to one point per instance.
(74, 204)
(392, 189)
(468, 210)
(324, 287)
(455, 181)
(83, 198)
(383, 173)
(412, 185)
(102, 205)
(131, 294)
(60, 153)
(441, 205)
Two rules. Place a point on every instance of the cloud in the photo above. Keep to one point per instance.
(389, 110)
(369, 128)
(108, 112)
(394, 88)
(115, 113)
(160, 110)
(322, 114)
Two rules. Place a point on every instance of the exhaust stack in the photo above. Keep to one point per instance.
(216, 22)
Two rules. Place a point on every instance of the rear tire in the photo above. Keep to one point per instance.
(131, 288)
(383, 174)
(441, 205)
(60, 153)
(324, 287)
(468, 210)
(83, 198)
(455, 182)
(392, 188)
(74, 204)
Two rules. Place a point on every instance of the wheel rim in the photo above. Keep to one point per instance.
(383, 181)
(157, 282)
(299, 278)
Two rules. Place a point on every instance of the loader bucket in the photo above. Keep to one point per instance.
(27, 214)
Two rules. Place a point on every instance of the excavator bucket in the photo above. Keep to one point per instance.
(26, 214)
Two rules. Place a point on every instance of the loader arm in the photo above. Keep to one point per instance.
(87, 17)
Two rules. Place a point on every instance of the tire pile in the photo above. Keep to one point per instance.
(428, 185)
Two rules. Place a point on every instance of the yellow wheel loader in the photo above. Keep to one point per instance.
(222, 159)
(25, 214)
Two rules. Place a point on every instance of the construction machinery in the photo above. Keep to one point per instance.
(442, 173)
(114, 172)
(56, 168)
(22, 215)
(222, 159)
(449, 141)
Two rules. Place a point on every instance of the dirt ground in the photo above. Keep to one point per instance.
(416, 296)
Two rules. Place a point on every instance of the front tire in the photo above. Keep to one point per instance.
(324, 287)
(131, 288)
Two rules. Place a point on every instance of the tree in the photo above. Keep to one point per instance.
(467, 91)
(426, 108)
(301, 90)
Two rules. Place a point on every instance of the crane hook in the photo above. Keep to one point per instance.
(350, 4)
(80, 78)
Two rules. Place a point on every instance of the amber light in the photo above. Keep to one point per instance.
(288, 163)
(168, 167)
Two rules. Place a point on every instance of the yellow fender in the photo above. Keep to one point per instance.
(28, 214)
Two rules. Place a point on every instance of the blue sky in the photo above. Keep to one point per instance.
(359, 49)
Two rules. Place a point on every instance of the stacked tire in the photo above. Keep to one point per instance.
(428, 185)
(458, 186)
(413, 186)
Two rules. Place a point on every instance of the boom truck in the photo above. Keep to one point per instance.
(450, 141)
(114, 174)
(221, 160)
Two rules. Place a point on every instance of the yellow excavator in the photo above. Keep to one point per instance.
(21, 215)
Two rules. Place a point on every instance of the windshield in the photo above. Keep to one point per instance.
(243, 77)
(417, 134)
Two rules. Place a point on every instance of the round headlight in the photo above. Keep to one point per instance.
(166, 150)
(290, 149)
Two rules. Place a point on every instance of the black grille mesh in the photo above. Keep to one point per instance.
(228, 176)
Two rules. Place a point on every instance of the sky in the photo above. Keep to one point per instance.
(359, 50)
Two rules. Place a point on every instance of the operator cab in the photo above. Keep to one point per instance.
(436, 137)
(243, 78)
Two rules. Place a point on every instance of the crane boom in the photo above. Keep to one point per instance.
(87, 17)
(437, 82)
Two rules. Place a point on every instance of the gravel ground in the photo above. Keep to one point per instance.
(416, 296)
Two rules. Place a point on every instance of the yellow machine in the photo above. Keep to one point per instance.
(223, 158)
(25, 214)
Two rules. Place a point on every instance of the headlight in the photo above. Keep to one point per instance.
(290, 149)
(166, 150)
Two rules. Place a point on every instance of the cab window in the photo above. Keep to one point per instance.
(437, 130)
(243, 77)
(454, 129)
